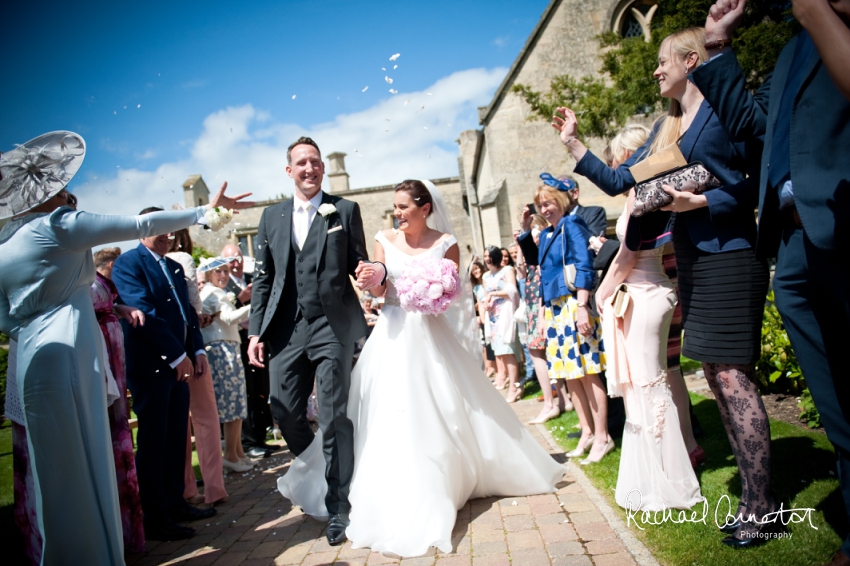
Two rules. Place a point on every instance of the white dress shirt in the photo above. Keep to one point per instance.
(302, 217)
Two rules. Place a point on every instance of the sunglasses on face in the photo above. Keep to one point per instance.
(562, 185)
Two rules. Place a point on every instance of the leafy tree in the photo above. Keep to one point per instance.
(199, 253)
(625, 87)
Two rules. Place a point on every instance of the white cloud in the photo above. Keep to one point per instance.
(245, 147)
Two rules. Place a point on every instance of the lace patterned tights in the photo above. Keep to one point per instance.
(748, 428)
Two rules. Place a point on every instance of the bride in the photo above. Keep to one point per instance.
(430, 431)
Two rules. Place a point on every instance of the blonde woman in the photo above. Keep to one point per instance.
(722, 284)
(574, 350)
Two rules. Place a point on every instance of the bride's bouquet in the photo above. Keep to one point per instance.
(428, 285)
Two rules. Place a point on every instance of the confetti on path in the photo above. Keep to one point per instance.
(251, 517)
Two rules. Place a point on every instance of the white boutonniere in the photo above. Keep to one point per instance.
(232, 298)
(216, 217)
(326, 209)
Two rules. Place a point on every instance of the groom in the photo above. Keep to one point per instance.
(306, 317)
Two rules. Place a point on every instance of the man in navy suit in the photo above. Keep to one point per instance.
(803, 193)
(162, 356)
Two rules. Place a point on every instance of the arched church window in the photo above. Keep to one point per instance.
(633, 18)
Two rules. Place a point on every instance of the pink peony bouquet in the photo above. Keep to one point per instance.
(428, 285)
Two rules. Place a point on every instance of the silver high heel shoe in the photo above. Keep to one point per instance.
(579, 451)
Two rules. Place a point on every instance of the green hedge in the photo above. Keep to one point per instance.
(778, 371)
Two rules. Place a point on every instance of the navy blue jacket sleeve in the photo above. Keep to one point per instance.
(743, 115)
(577, 234)
(727, 201)
(131, 280)
(530, 251)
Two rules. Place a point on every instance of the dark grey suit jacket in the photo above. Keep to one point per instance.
(595, 218)
(820, 145)
(341, 247)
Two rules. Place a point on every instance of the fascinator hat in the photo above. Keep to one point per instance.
(561, 183)
(35, 171)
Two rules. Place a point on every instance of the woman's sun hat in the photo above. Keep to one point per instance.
(35, 171)
(211, 263)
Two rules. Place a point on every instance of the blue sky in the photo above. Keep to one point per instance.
(164, 90)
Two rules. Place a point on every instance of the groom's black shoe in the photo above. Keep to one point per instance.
(188, 513)
(168, 530)
(336, 528)
(257, 452)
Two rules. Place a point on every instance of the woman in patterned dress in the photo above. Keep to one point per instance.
(574, 350)
(222, 344)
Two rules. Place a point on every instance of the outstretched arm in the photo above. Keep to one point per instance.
(831, 35)
(721, 79)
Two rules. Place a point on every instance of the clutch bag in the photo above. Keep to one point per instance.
(691, 178)
(621, 300)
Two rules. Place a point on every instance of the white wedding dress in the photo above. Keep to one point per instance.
(430, 433)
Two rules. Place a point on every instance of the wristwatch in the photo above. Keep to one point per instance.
(581, 305)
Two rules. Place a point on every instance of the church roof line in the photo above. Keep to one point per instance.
(485, 112)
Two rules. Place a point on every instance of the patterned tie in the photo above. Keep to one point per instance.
(164, 267)
(304, 223)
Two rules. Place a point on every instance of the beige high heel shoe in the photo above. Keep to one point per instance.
(608, 447)
(579, 451)
(554, 413)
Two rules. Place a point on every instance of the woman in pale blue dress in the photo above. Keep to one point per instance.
(46, 270)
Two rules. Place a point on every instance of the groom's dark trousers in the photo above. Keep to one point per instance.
(805, 122)
(306, 312)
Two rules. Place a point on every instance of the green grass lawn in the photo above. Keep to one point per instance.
(803, 477)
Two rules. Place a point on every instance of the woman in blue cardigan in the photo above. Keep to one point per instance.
(574, 350)
(722, 285)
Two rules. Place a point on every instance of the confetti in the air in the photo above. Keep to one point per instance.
(389, 80)
(293, 97)
(383, 68)
(429, 94)
(395, 66)
(393, 91)
(424, 127)
(138, 105)
(405, 102)
(365, 88)
(396, 56)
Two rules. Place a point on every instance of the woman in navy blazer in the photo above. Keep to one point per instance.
(574, 350)
(722, 284)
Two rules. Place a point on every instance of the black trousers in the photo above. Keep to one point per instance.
(162, 405)
(812, 290)
(257, 390)
(313, 350)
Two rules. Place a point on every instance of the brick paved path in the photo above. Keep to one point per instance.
(259, 527)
